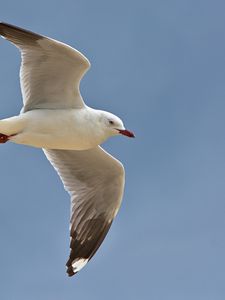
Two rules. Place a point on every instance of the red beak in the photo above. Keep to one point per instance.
(126, 132)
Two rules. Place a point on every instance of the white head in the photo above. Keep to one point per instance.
(113, 125)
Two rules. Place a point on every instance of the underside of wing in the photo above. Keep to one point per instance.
(50, 71)
(95, 181)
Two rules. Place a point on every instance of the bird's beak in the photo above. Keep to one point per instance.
(126, 132)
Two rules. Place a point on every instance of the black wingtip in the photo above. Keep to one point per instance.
(70, 272)
(15, 33)
(82, 250)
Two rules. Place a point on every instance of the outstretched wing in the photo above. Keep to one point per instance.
(50, 71)
(95, 181)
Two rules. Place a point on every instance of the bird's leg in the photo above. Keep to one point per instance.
(3, 138)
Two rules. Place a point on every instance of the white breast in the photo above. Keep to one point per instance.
(58, 129)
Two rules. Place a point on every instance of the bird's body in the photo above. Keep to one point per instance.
(70, 129)
(54, 117)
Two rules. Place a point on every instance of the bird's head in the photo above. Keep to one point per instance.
(113, 125)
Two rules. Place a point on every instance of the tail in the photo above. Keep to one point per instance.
(11, 126)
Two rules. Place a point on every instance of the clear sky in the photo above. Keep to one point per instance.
(160, 66)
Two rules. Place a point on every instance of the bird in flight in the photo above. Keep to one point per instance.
(55, 118)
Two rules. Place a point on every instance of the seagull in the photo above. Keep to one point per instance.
(55, 118)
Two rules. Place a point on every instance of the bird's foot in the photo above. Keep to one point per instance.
(3, 138)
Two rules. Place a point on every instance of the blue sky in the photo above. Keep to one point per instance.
(160, 66)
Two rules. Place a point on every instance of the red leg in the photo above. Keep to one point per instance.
(3, 138)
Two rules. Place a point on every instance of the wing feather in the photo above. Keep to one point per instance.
(95, 181)
(50, 71)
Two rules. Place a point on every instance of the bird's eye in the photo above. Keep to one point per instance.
(111, 122)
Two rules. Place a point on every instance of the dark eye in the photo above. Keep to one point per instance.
(111, 122)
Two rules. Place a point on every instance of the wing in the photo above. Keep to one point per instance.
(95, 182)
(50, 71)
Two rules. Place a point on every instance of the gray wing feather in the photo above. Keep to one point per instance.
(95, 181)
(50, 71)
